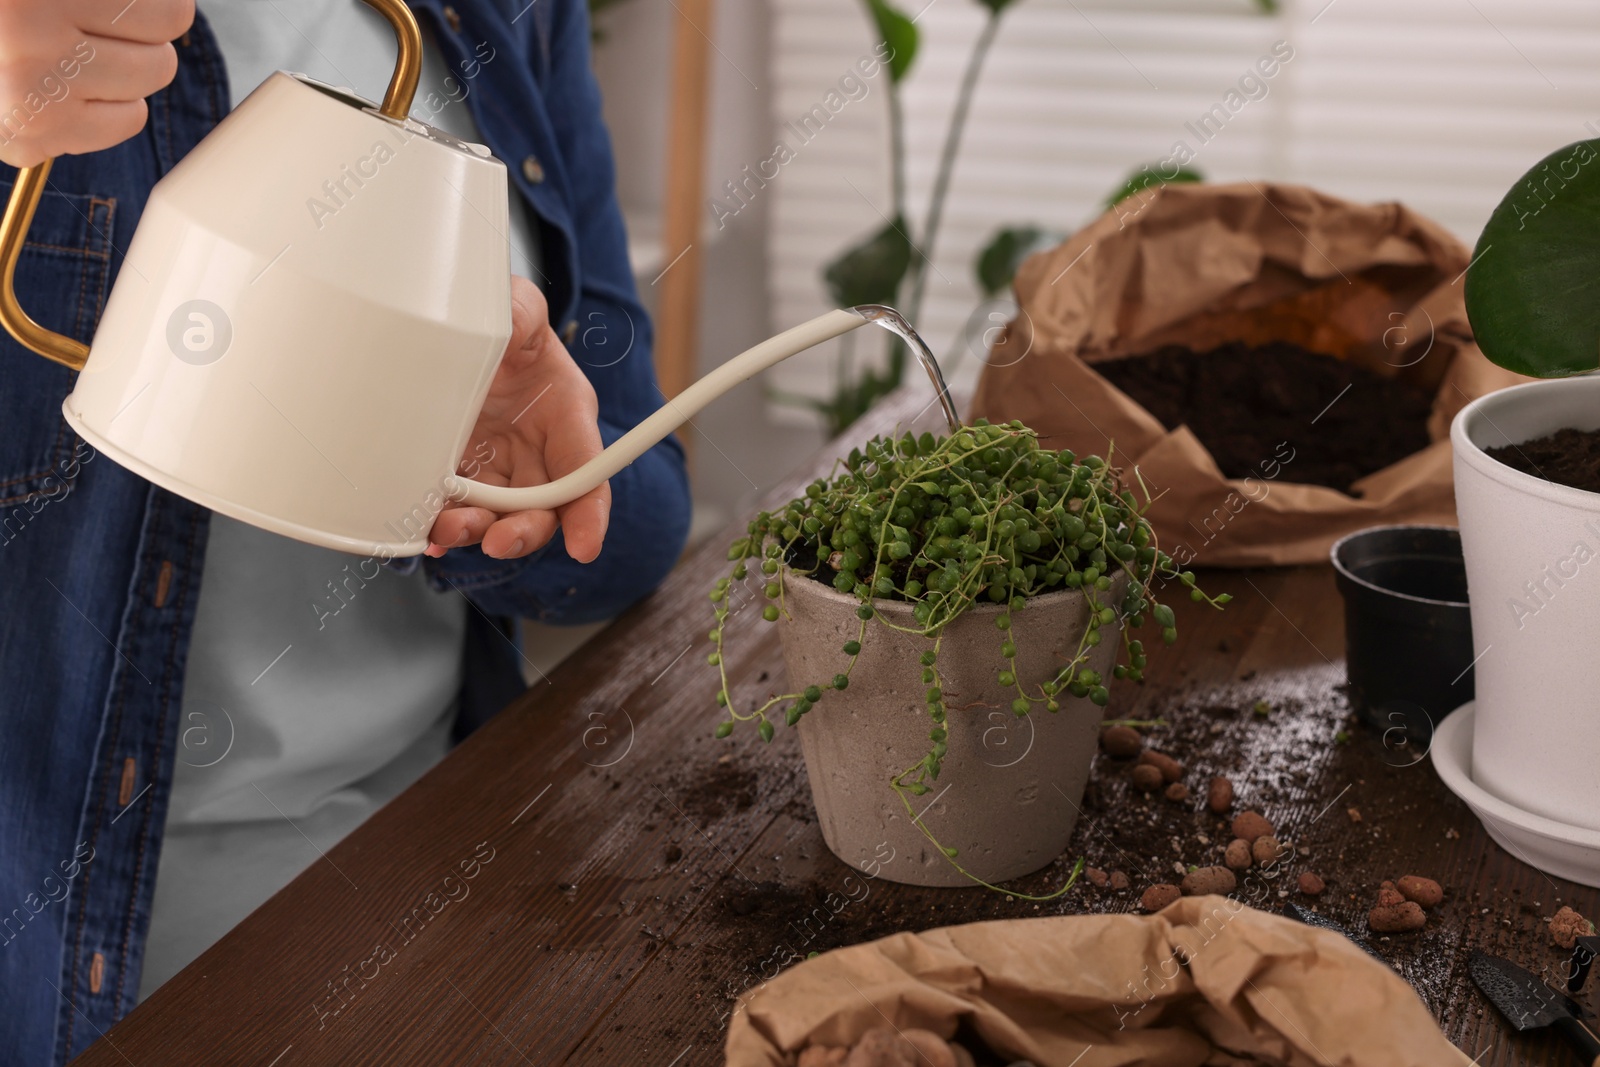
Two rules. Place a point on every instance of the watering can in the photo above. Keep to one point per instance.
(310, 314)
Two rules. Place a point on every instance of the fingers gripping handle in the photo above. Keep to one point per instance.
(31, 181)
(674, 413)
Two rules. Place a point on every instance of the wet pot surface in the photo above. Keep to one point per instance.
(1009, 792)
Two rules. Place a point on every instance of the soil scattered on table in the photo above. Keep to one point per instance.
(1243, 402)
(1294, 773)
(1566, 457)
(723, 789)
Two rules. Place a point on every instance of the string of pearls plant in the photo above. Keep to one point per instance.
(944, 523)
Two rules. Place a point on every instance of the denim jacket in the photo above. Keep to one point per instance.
(99, 569)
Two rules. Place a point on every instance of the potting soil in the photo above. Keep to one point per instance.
(1566, 457)
(1343, 421)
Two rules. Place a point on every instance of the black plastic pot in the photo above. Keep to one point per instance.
(1408, 634)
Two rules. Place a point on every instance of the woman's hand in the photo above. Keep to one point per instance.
(538, 424)
(74, 73)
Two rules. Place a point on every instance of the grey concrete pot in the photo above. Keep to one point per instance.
(1008, 795)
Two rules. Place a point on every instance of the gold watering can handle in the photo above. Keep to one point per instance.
(31, 182)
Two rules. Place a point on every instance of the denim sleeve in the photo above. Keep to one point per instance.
(613, 345)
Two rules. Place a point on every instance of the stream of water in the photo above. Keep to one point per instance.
(895, 323)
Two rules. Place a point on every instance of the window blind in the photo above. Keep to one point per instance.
(1439, 104)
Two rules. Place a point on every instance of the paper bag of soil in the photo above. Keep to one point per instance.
(1207, 980)
(1243, 290)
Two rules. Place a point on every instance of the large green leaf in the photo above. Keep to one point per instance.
(997, 264)
(1533, 289)
(899, 33)
(1145, 177)
(870, 273)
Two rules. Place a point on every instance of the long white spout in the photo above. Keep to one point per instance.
(674, 413)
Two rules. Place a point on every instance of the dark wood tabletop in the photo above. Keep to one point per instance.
(591, 878)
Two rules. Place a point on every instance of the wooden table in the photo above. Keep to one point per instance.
(591, 877)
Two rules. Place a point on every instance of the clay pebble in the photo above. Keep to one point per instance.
(1204, 880)
(886, 1047)
(1251, 825)
(932, 1050)
(1147, 779)
(1122, 742)
(1267, 850)
(1170, 769)
(1159, 896)
(1425, 891)
(1567, 926)
(1219, 795)
(1400, 918)
(881, 1048)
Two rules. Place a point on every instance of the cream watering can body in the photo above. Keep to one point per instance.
(309, 317)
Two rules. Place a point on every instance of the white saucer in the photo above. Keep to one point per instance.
(1571, 852)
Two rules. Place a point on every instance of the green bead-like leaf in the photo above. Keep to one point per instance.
(899, 33)
(1533, 289)
(997, 264)
(870, 272)
(1145, 177)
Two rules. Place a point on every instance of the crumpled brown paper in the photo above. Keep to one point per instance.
(1203, 265)
(1105, 990)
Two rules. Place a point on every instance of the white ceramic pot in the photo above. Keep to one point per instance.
(1533, 576)
(1008, 795)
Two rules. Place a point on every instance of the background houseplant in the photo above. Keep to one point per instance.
(915, 538)
(890, 265)
(1533, 296)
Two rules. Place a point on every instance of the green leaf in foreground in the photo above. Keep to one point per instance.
(1533, 288)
